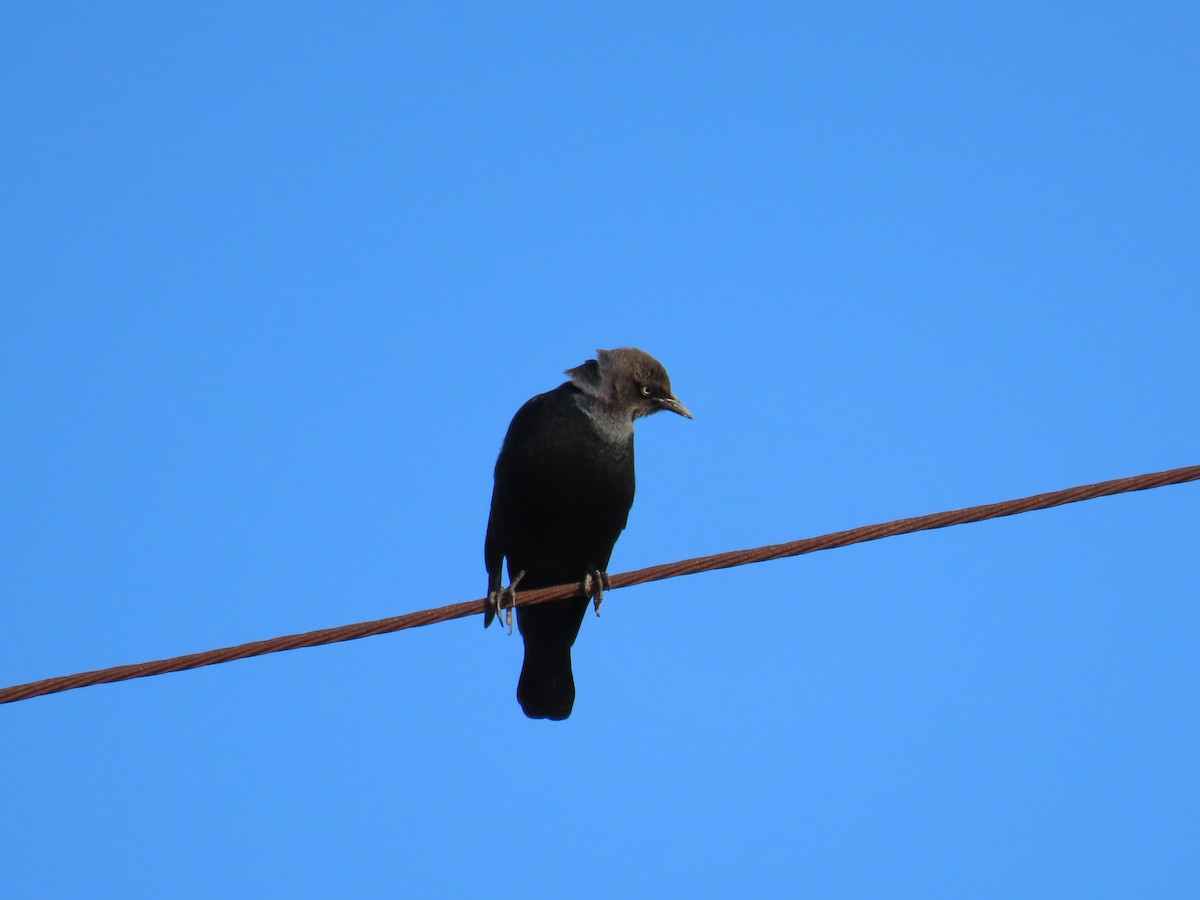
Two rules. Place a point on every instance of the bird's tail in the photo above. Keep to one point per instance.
(546, 689)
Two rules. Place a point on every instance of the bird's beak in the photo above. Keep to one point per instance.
(672, 403)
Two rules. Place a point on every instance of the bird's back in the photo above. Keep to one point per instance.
(563, 490)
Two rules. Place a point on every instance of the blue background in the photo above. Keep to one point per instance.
(275, 278)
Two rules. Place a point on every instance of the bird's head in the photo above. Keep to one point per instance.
(628, 380)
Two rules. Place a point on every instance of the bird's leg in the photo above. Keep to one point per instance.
(511, 593)
(505, 598)
(595, 583)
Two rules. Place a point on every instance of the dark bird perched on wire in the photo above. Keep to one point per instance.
(564, 486)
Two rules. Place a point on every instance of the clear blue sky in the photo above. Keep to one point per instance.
(275, 278)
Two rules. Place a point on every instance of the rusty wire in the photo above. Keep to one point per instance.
(626, 579)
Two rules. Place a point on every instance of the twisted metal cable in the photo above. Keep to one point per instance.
(626, 579)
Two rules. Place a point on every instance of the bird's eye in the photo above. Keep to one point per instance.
(645, 390)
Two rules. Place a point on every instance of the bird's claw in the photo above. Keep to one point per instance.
(595, 583)
(503, 599)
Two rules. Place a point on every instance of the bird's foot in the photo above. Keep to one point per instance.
(595, 583)
(503, 599)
